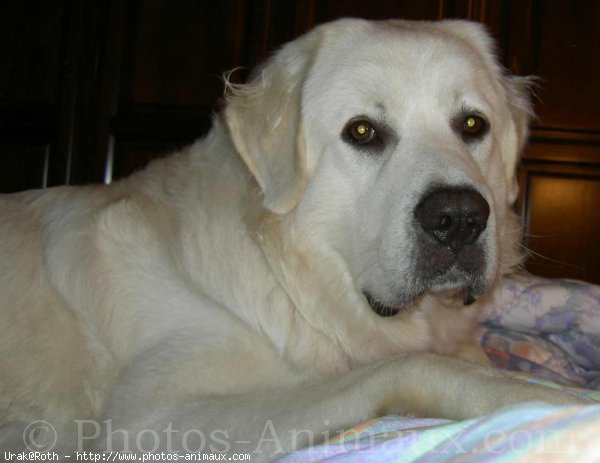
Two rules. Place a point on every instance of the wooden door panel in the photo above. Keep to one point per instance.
(426, 9)
(179, 50)
(563, 219)
(567, 57)
(23, 166)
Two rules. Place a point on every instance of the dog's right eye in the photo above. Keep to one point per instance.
(361, 132)
(367, 136)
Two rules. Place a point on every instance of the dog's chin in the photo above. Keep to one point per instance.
(465, 289)
(466, 295)
(463, 294)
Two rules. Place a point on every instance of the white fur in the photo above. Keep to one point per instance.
(220, 289)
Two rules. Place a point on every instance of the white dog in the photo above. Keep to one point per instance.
(309, 265)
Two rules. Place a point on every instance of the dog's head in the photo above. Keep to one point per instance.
(395, 143)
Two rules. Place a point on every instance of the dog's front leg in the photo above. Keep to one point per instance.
(437, 386)
(265, 424)
(268, 424)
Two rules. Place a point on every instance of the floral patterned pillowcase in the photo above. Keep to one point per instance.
(546, 328)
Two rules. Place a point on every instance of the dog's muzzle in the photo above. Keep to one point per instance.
(450, 221)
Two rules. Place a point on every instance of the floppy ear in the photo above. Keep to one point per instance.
(518, 95)
(265, 123)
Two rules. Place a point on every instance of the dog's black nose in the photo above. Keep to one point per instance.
(455, 217)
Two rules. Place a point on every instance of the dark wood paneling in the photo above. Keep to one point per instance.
(270, 25)
(425, 9)
(180, 49)
(563, 222)
(24, 166)
(33, 87)
(558, 42)
(165, 70)
(40, 48)
(131, 156)
(564, 147)
(516, 37)
(567, 57)
(30, 46)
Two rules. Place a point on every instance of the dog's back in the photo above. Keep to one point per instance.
(44, 365)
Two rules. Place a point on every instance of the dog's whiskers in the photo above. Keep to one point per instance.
(530, 252)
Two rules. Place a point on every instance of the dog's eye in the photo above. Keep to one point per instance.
(367, 136)
(474, 127)
(360, 132)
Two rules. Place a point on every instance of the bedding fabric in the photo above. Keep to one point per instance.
(546, 330)
(549, 328)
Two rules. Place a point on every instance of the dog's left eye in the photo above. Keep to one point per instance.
(360, 132)
(474, 127)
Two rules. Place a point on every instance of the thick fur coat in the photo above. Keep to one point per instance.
(240, 285)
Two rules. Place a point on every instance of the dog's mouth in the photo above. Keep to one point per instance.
(381, 309)
(467, 294)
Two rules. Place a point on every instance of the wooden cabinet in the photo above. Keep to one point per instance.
(92, 90)
(560, 173)
(36, 72)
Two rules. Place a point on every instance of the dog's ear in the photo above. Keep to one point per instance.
(265, 122)
(518, 95)
(516, 92)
